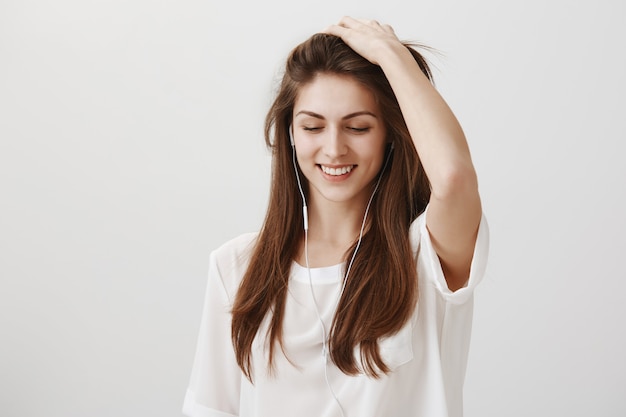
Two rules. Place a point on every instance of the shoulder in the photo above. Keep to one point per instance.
(230, 261)
(239, 246)
(416, 230)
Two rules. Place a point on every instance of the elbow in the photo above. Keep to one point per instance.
(452, 182)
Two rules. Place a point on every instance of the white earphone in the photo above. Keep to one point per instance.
(305, 212)
(305, 215)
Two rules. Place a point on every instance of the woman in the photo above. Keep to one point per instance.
(355, 298)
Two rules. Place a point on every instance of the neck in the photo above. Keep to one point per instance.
(335, 222)
(333, 229)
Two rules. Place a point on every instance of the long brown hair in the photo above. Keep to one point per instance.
(381, 292)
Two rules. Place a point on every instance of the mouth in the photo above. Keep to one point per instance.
(336, 171)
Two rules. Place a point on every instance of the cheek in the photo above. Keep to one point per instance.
(304, 161)
(304, 151)
(377, 155)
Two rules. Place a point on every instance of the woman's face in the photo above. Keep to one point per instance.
(339, 136)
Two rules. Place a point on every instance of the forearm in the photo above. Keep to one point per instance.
(437, 134)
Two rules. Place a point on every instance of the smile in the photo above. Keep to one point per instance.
(337, 171)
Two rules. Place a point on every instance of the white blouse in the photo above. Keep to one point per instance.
(427, 357)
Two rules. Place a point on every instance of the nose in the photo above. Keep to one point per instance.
(334, 144)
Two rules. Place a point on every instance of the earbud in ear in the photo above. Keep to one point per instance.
(305, 213)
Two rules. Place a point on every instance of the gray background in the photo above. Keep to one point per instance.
(131, 146)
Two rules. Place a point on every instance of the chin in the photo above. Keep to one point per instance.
(342, 197)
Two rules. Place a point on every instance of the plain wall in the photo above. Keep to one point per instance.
(131, 146)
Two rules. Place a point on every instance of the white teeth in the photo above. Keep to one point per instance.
(337, 171)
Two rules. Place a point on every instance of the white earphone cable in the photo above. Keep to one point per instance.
(306, 257)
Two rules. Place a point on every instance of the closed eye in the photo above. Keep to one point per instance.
(311, 129)
(359, 129)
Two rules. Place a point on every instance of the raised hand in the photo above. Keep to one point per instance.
(368, 38)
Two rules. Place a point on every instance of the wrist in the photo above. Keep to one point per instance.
(396, 57)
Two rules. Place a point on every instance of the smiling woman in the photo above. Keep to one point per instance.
(355, 298)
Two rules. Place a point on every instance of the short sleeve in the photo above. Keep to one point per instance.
(215, 377)
(429, 261)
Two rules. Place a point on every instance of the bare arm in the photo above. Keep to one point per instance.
(454, 209)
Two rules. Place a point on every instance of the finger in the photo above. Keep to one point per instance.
(388, 29)
(368, 22)
(349, 22)
(336, 30)
(364, 24)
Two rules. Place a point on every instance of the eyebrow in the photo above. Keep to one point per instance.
(348, 116)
